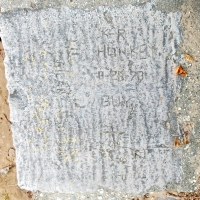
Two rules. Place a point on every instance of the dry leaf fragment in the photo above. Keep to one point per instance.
(189, 57)
(186, 137)
(180, 71)
(172, 194)
(177, 142)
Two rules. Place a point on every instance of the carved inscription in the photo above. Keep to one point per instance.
(140, 52)
(121, 75)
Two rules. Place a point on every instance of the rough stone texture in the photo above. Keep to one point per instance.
(11, 5)
(90, 96)
(187, 97)
(169, 6)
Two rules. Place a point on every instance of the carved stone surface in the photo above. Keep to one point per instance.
(90, 95)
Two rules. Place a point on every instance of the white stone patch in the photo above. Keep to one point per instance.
(89, 94)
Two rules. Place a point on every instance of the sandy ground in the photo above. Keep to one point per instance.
(8, 182)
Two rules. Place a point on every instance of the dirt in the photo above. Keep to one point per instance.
(8, 180)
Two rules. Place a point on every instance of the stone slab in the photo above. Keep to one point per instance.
(90, 97)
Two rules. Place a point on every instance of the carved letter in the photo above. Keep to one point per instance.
(105, 101)
(121, 33)
(100, 74)
(112, 52)
(102, 51)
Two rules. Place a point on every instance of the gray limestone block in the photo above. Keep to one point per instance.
(89, 92)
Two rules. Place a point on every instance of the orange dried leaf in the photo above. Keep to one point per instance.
(188, 57)
(180, 71)
(184, 73)
(177, 142)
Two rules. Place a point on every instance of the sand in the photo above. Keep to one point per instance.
(8, 182)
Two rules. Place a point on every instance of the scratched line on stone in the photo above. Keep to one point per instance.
(89, 93)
